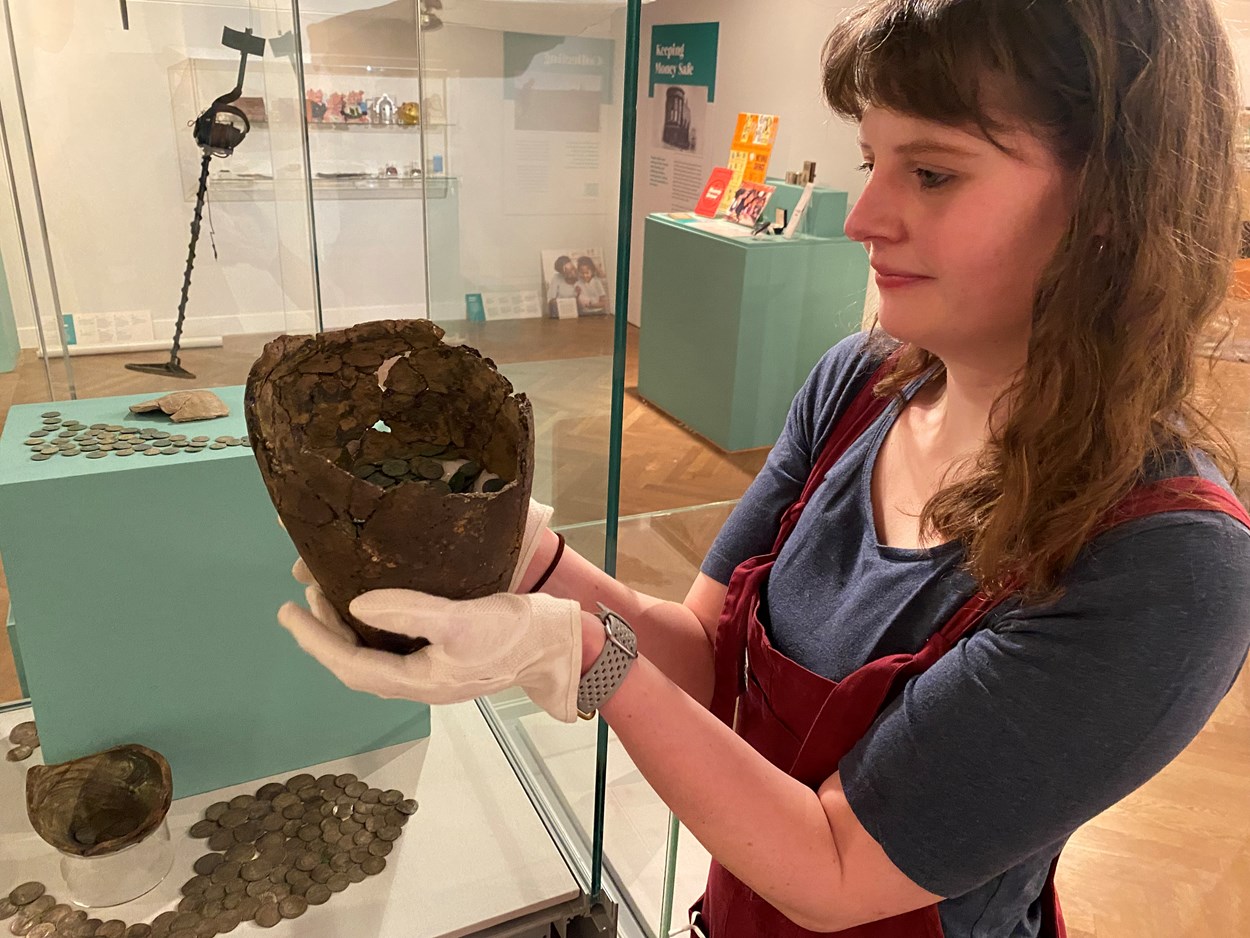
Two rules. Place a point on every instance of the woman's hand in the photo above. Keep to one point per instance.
(477, 646)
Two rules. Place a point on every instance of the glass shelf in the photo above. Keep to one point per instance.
(233, 189)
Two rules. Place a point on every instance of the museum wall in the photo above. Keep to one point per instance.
(768, 62)
(106, 112)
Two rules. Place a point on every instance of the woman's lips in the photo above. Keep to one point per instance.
(892, 280)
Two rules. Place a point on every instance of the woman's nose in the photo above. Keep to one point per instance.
(875, 215)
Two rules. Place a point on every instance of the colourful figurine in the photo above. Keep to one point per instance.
(334, 111)
(314, 105)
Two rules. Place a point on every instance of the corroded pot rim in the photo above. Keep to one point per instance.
(43, 780)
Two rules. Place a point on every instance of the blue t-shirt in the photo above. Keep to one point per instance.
(975, 776)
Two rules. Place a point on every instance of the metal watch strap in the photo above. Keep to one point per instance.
(610, 668)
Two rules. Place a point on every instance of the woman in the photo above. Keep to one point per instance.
(992, 578)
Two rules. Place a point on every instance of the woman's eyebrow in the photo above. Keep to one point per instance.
(927, 147)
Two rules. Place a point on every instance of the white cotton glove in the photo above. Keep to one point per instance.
(537, 518)
(477, 646)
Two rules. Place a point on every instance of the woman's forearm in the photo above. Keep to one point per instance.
(669, 634)
(765, 827)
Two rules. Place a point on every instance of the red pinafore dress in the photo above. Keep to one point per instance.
(805, 723)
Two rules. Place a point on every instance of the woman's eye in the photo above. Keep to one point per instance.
(931, 180)
(864, 168)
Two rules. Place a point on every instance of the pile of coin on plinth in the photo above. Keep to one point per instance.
(394, 460)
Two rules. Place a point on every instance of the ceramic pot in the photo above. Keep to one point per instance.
(317, 406)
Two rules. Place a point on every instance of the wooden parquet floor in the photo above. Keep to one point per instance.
(1171, 861)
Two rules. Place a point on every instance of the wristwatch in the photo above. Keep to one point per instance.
(610, 668)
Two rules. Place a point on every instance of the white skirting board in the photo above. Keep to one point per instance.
(213, 341)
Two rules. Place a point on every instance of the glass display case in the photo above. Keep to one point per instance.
(454, 162)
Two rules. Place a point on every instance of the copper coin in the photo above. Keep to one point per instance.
(338, 882)
(7, 909)
(295, 811)
(241, 801)
(214, 811)
(296, 782)
(227, 871)
(212, 908)
(391, 797)
(202, 829)
(294, 877)
(195, 886)
(321, 874)
(267, 916)
(113, 928)
(380, 848)
(291, 828)
(57, 914)
(247, 832)
(293, 906)
(356, 874)
(271, 790)
(309, 832)
(40, 906)
(26, 893)
(307, 861)
(272, 821)
(389, 833)
(373, 865)
(285, 800)
(342, 781)
(371, 795)
(221, 839)
(184, 920)
(358, 854)
(232, 817)
(355, 789)
(270, 841)
(207, 863)
(184, 933)
(139, 930)
(340, 862)
(227, 921)
(241, 853)
(216, 891)
(47, 930)
(318, 894)
(191, 904)
(163, 922)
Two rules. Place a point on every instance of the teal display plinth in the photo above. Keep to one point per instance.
(731, 327)
(9, 347)
(16, 651)
(144, 593)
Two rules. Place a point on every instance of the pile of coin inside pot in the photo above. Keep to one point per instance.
(442, 467)
(274, 854)
(25, 740)
(58, 437)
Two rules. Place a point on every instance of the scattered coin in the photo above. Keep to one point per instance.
(221, 839)
(207, 863)
(26, 893)
(40, 457)
(47, 415)
(45, 930)
(373, 865)
(380, 848)
(217, 446)
(204, 828)
(139, 930)
(113, 928)
(267, 916)
(96, 455)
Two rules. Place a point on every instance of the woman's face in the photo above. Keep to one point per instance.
(958, 233)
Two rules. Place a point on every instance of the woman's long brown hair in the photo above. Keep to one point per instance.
(1139, 100)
